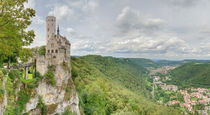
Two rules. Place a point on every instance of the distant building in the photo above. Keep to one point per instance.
(173, 88)
(173, 102)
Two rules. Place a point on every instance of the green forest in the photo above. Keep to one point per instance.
(108, 85)
(192, 75)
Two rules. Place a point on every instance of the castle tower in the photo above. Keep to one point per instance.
(51, 26)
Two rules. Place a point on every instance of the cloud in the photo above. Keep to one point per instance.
(140, 35)
(147, 45)
(84, 5)
(130, 20)
(38, 20)
(71, 31)
(62, 12)
(30, 4)
(133, 38)
(76, 35)
(204, 29)
(182, 3)
(82, 47)
(147, 28)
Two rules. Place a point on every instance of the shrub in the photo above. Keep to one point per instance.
(5, 71)
(68, 112)
(23, 98)
(65, 66)
(49, 78)
(42, 50)
(1, 95)
(42, 106)
(51, 67)
(38, 76)
(1, 91)
(14, 74)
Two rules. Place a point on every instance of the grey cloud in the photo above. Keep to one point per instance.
(83, 5)
(146, 28)
(148, 45)
(130, 20)
(182, 3)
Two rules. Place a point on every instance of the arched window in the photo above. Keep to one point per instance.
(52, 51)
(56, 51)
(48, 51)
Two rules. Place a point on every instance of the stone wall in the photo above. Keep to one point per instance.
(41, 64)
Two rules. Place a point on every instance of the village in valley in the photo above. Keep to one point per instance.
(189, 100)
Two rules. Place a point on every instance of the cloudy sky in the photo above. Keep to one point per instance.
(155, 29)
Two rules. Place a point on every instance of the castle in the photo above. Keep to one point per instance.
(57, 47)
(57, 55)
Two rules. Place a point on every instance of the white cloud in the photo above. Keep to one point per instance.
(30, 4)
(76, 35)
(145, 36)
(134, 38)
(62, 12)
(71, 31)
(38, 20)
(84, 5)
(147, 28)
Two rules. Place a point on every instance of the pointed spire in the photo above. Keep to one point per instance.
(58, 30)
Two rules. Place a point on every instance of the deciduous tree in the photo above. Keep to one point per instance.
(14, 21)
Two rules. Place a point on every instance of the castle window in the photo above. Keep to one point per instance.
(54, 56)
(56, 51)
(52, 51)
(48, 51)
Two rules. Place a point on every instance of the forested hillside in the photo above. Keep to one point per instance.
(177, 63)
(147, 63)
(108, 85)
(192, 75)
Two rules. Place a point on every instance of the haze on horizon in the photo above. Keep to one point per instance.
(165, 29)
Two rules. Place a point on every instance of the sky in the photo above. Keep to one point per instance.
(154, 29)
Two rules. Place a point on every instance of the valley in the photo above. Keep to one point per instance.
(190, 100)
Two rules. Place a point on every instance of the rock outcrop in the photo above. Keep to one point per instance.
(57, 98)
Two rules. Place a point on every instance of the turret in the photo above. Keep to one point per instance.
(58, 30)
(51, 26)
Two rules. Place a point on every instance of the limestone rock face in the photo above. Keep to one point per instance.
(56, 95)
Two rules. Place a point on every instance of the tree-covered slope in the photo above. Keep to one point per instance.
(177, 63)
(147, 63)
(192, 74)
(108, 85)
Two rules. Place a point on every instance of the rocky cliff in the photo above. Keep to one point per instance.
(57, 98)
(48, 94)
